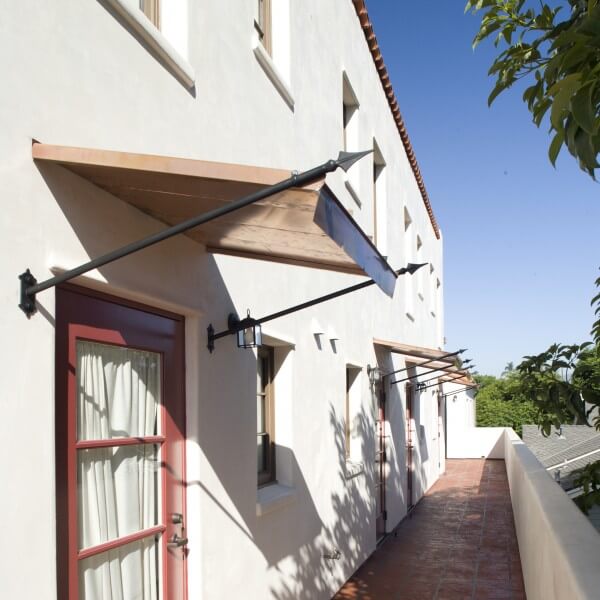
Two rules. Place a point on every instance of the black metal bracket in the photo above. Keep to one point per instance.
(233, 323)
(210, 330)
(27, 303)
(233, 326)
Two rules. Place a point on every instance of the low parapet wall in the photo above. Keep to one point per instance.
(559, 547)
(476, 442)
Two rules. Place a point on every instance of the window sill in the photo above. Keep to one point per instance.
(158, 43)
(273, 497)
(353, 469)
(277, 79)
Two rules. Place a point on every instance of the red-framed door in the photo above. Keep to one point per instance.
(380, 466)
(409, 446)
(120, 449)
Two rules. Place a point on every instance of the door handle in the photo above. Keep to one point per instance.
(177, 542)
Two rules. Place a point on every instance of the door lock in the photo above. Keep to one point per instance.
(177, 542)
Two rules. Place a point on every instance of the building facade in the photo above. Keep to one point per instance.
(137, 463)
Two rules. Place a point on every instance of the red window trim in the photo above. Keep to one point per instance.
(110, 442)
(120, 541)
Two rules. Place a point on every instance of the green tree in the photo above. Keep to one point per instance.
(596, 326)
(556, 49)
(501, 403)
(564, 385)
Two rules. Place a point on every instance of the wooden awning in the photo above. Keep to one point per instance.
(419, 353)
(302, 226)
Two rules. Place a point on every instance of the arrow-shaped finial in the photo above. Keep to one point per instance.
(346, 159)
(413, 267)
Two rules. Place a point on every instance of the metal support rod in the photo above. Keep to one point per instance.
(410, 268)
(420, 375)
(440, 382)
(458, 376)
(465, 389)
(443, 357)
(30, 287)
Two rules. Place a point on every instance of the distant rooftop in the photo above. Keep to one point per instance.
(567, 449)
(564, 451)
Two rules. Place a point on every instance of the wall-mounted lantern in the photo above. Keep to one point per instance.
(249, 334)
(375, 375)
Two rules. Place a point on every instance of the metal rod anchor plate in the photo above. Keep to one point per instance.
(27, 301)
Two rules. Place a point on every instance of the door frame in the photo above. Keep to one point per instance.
(409, 446)
(381, 452)
(66, 425)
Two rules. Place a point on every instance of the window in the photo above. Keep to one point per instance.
(351, 409)
(151, 9)
(419, 274)
(409, 256)
(347, 414)
(263, 24)
(265, 416)
(379, 200)
(432, 290)
(162, 29)
(350, 137)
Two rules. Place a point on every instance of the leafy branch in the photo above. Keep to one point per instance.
(562, 57)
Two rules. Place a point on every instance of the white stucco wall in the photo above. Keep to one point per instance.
(74, 74)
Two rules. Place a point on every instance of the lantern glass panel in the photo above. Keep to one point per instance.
(248, 337)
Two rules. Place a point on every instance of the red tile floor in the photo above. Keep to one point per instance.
(459, 542)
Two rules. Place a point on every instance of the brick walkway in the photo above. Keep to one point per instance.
(460, 542)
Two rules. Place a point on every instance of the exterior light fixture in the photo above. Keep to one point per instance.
(375, 375)
(249, 334)
(235, 326)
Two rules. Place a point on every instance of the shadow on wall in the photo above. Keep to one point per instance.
(294, 540)
(313, 574)
(396, 432)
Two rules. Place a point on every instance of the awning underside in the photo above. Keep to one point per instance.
(418, 352)
(302, 226)
(431, 359)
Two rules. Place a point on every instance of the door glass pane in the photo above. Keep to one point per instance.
(127, 573)
(117, 492)
(118, 391)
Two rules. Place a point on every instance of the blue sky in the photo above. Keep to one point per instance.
(521, 239)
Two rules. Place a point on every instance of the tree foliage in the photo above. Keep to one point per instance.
(596, 326)
(564, 385)
(500, 402)
(556, 49)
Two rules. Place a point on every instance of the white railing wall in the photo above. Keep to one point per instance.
(559, 547)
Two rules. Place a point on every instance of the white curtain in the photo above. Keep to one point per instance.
(118, 396)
